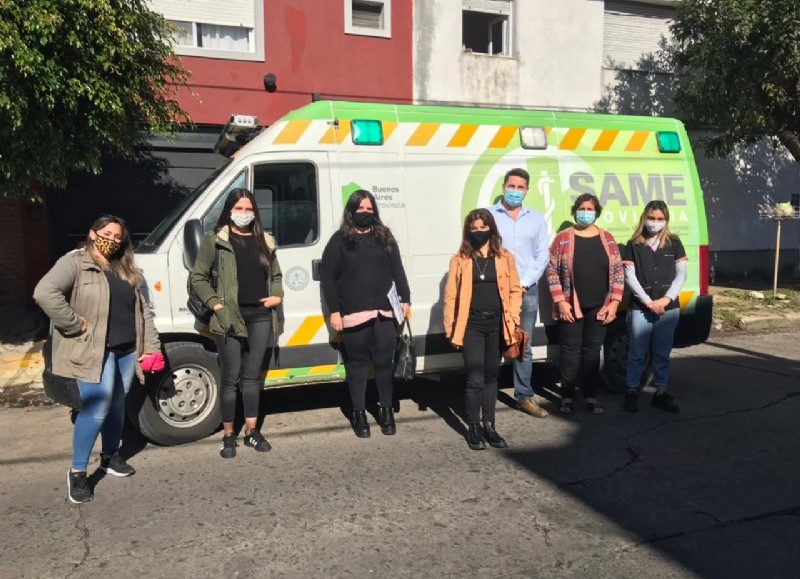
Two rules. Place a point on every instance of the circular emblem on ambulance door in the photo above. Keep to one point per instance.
(296, 278)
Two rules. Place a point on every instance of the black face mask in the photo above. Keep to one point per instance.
(363, 219)
(478, 238)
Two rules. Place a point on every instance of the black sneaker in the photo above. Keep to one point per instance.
(665, 402)
(78, 488)
(631, 402)
(228, 448)
(116, 465)
(257, 441)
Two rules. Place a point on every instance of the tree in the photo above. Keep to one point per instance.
(738, 70)
(79, 80)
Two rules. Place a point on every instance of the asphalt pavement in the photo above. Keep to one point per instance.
(710, 492)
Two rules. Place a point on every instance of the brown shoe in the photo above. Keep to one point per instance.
(528, 406)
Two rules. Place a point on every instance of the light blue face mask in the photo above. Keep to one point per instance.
(513, 198)
(585, 217)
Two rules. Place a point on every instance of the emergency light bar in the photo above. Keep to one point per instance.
(533, 137)
(237, 132)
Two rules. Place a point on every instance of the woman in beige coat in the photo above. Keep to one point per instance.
(103, 331)
(482, 304)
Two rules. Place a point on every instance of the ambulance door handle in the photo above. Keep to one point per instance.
(316, 267)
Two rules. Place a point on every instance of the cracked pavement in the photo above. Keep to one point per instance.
(711, 492)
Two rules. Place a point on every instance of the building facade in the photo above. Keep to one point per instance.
(594, 55)
(252, 57)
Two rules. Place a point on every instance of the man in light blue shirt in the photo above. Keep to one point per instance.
(525, 235)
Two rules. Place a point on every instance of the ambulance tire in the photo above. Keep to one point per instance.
(614, 359)
(180, 404)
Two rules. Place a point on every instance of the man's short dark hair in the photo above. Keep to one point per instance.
(518, 173)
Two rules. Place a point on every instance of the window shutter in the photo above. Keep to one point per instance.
(368, 15)
(631, 30)
(228, 13)
(489, 6)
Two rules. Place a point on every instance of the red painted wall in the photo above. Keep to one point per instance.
(306, 48)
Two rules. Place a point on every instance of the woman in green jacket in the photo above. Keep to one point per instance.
(244, 302)
(103, 332)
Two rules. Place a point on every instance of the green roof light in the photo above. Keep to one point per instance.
(668, 142)
(366, 132)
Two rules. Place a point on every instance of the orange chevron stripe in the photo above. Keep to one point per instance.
(637, 141)
(422, 135)
(388, 129)
(605, 140)
(291, 133)
(503, 137)
(463, 136)
(335, 135)
(306, 332)
(572, 139)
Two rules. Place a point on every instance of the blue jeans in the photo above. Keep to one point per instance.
(654, 334)
(523, 368)
(102, 409)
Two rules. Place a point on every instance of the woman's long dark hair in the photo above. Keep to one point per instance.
(495, 241)
(380, 232)
(264, 254)
(121, 263)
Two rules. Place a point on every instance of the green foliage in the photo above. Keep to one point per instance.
(80, 79)
(738, 65)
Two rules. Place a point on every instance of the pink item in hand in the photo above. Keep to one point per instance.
(153, 362)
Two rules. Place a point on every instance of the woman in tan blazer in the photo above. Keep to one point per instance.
(482, 304)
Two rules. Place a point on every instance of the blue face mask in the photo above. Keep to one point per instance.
(513, 198)
(585, 217)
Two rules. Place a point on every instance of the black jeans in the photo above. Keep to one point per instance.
(374, 339)
(579, 353)
(242, 363)
(482, 362)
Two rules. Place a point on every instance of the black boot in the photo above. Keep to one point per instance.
(631, 401)
(492, 437)
(386, 420)
(360, 424)
(475, 437)
(665, 402)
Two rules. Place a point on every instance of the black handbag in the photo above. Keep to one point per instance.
(199, 309)
(405, 355)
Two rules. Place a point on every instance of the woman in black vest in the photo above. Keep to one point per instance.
(655, 271)
(359, 265)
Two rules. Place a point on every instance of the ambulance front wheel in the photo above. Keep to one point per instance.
(180, 404)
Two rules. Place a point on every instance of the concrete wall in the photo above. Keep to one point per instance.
(556, 60)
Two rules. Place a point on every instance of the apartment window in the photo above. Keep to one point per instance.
(486, 26)
(232, 30)
(214, 36)
(368, 17)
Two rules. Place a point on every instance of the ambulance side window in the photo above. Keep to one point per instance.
(286, 195)
(210, 219)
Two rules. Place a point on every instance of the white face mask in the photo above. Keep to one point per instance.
(242, 219)
(654, 226)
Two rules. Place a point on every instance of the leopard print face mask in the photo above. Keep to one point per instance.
(106, 247)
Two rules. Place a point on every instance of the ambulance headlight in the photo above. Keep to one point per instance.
(533, 137)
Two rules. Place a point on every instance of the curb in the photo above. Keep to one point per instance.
(21, 364)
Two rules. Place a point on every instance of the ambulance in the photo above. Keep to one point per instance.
(427, 166)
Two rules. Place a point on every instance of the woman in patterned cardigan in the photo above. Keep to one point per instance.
(584, 261)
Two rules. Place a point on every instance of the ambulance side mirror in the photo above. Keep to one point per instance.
(192, 238)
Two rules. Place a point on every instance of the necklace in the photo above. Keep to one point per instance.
(481, 272)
